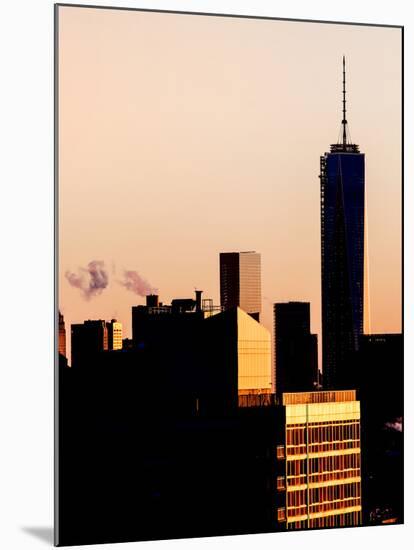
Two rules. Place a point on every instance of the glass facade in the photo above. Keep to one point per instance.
(322, 486)
(250, 282)
(342, 255)
(240, 281)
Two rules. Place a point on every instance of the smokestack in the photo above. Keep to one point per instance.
(198, 294)
(152, 300)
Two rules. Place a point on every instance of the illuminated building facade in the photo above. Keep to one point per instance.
(319, 465)
(342, 178)
(240, 282)
(114, 328)
(242, 346)
(62, 336)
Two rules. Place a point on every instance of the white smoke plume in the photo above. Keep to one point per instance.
(91, 281)
(135, 283)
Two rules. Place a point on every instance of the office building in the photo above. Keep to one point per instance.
(240, 282)
(319, 463)
(296, 353)
(88, 339)
(62, 336)
(342, 181)
(114, 329)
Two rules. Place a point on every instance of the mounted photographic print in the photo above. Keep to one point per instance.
(229, 336)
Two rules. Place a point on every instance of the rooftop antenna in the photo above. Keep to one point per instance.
(344, 121)
(344, 143)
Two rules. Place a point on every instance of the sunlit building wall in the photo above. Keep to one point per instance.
(114, 335)
(320, 462)
(62, 335)
(253, 355)
(238, 357)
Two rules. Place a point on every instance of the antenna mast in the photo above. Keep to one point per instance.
(344, 121)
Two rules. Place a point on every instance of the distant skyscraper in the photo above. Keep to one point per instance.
(240, 282)
(342, 253)
(62, 336)
(87, 339)
(114, 335)
(296, 354)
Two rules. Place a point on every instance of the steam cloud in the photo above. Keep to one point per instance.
(135, 283)
(91, 280)
(396, 425)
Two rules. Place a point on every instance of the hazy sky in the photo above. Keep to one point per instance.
(182, 136)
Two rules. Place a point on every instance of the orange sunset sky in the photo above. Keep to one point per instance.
(182, 136)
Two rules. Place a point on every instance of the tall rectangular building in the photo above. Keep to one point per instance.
(319, 482)
(114, 328)
(342, 180)
(296, 353)
(240, 282)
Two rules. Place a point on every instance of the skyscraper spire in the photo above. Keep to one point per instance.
(344, 143)
(344, 121)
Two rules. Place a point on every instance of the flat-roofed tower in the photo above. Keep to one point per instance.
(240, 282)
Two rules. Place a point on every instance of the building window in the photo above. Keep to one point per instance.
(281, 514)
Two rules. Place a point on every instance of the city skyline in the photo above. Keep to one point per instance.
(215, 173)
(188, 213)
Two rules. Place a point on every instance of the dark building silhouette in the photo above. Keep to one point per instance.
(130, 449)
(62, 336)
(87, 339)
(160, 424)
(172, 335)
(177, 434)
(296, 353)
(240, 282)
(342, 253)
(378, 372)
(155, 323)
(127, 344)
